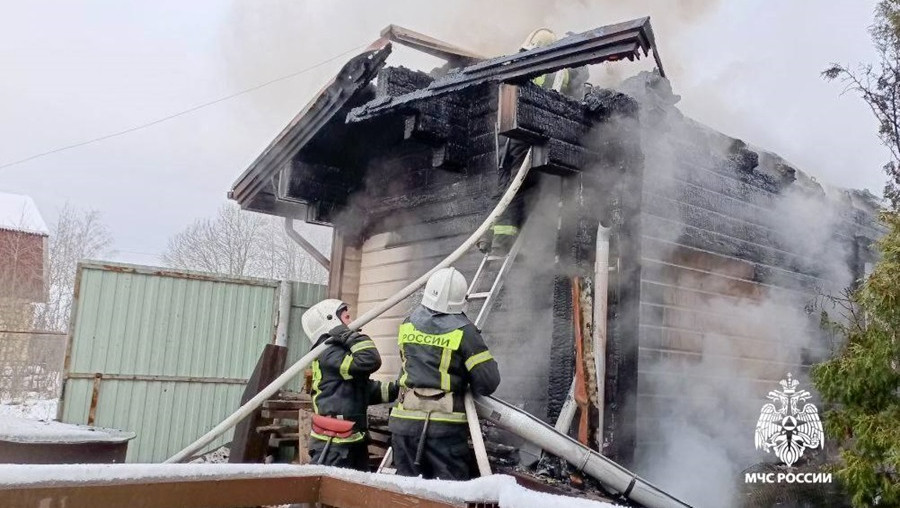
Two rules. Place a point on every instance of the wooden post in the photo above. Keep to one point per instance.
(95, 398)
(248, 445)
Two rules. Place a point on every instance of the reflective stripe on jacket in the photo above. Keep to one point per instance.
(445, 352)
(341, 386)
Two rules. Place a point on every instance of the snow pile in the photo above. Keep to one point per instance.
(499, 489)
(22, 430)
(32, 409)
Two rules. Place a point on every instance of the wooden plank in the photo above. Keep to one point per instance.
(344, 494)
(247, 445)
(285, 414)
(215, 493)
(384, 326)
(379, 291)
(349, 291)
(294, 405)
(194, 493)
(387, 345)
(607, 43)
(95, 398)
(335, 274)
(430, 45)
(348, 84)
(387, 273)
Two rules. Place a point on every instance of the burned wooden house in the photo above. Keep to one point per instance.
(717, 249)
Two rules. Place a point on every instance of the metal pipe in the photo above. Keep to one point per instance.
(484, 466)
(613, 476)
(304, 243)
(601, 285)
(284, 314)
(250, 406)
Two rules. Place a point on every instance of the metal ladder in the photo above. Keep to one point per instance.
(490, 295)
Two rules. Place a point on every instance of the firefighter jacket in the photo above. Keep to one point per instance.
(341, 386)
(446, 353)
(571, 81)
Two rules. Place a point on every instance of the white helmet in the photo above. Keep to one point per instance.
(321, 318)
(445, 291)
(538, 39)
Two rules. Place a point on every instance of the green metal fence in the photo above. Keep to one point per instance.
(166, 354)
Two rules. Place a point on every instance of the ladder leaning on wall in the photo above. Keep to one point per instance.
(489, 297)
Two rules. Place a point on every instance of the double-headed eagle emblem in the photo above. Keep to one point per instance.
(788, 430)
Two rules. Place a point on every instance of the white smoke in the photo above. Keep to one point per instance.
(730, 330)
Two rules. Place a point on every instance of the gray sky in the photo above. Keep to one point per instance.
(73, 71)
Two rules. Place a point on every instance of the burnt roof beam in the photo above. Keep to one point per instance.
(431, 46)
(609, 43)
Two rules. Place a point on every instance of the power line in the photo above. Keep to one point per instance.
(181, 113)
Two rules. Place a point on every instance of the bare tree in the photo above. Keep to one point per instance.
(235, 242)
(222, 244)
(879, 86)
(77, 234)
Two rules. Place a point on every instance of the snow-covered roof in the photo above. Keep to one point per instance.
(500, 489)
(19, 213)
(21, 430)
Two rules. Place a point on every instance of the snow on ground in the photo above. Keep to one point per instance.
(23, 430)
(499, 489)
(217, 456)
(31, 409)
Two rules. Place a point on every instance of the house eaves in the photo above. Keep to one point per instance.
(257, 188)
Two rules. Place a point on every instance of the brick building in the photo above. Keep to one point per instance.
(23, 256)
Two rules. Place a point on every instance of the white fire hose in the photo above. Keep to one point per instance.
(250, 406)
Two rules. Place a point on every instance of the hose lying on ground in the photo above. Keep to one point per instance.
(611, 475)
(250, 406)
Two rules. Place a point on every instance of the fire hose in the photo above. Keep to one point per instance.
(300, 365)
(609, 473)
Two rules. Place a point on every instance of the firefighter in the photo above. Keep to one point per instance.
(442, 355)
(569, 82)
(341, 388)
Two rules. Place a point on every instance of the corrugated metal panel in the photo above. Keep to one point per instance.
(303, 296)
(147, 331)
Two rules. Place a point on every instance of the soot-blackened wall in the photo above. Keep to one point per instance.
(738, 254)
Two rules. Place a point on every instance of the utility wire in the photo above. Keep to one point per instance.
(181, 113)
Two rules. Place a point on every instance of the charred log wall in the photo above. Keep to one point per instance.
(738, 251)
(419, 209)
(424, 195)
(613, 191)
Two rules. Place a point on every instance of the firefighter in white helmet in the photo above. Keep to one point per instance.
(569, 82)
(341, 388)
(442, 355)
